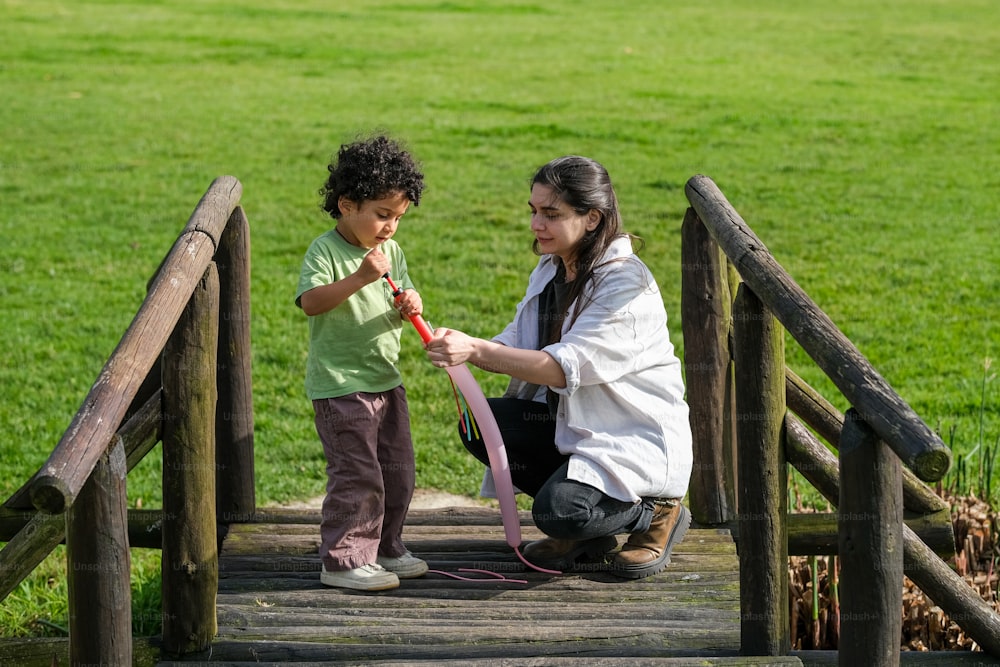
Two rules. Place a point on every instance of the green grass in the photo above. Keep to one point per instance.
(857, 139)
(39, 606)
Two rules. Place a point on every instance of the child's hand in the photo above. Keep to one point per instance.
(409, 303)
(374, 266)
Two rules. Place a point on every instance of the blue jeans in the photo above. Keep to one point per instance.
(562, 508)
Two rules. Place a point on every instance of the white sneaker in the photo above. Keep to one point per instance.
(406, 566)
(365, 578)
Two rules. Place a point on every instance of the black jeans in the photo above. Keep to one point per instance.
(563, 508)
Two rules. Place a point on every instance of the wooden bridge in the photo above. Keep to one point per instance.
(240, 584)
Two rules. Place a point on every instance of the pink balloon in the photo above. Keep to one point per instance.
(495, 450)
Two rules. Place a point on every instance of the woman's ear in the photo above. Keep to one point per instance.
(593, 219)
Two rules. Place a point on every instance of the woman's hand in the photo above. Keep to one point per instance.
(449, 347)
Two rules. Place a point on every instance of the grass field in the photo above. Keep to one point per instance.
(858, 139)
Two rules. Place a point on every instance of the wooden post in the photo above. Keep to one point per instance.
(190, 566)
(870, 519)
(234, 418)
(706, 315)
(758, 348)
(99, 567)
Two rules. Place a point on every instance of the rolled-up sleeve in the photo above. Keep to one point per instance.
(607, 340)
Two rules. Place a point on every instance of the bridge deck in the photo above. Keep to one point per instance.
(272, 608)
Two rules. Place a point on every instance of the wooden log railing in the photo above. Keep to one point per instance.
(888, 521)
(181, 376)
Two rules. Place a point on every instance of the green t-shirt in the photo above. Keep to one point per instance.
(355, 346)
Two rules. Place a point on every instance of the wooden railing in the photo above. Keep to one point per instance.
(181, 376)
(737, 303)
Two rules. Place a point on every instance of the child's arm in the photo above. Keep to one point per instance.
(324, 298)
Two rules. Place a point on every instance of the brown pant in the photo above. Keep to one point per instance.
(370, 476)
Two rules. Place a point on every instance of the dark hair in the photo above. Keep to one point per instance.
(584, 184)
(371, 169)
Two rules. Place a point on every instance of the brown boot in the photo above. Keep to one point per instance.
(563, 554)
(648, 553)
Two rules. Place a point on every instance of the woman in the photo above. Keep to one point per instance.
(594, 420)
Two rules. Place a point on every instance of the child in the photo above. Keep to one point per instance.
(351, 376)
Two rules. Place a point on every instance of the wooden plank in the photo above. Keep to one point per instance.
(498, 631)
(272, 606)
(704, 640)
(253, 615)
(260, 565)
(247, 538)
(922, 658)
(536, 654)
(304, 591)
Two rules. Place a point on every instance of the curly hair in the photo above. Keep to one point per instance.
(371, 169)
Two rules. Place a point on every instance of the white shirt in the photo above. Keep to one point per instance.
(622, 417)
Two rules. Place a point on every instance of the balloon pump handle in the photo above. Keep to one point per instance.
(416, 320)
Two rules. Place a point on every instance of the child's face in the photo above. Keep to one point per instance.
(557, 227)
(371, 222)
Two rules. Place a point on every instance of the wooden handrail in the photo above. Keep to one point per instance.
(64, 473)
(161, 384)
(879, 422)
(828, 422)
(37, 534)
(878, 404)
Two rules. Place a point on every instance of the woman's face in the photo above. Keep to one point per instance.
(557, 227)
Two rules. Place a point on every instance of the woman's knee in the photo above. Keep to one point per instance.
(562, 509)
